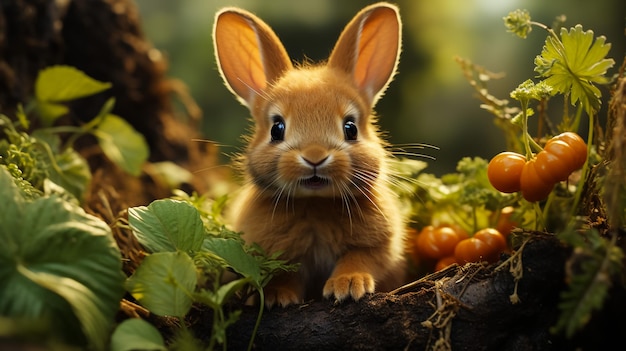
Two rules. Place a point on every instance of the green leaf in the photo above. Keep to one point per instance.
(66, 168)
(216, 300)
(164, 283)
(170, 173)
(58, 263)
(65, 83)
(71, 172)
(167, 225)
(122, 144)
(574, 64)
(137, 334)
(233, 253)
(21, 117)
(597, 263)
(48, 111)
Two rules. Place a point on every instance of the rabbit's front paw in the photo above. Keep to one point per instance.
(281, 295)
(354, 284)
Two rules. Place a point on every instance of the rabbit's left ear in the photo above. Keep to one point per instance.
(369, 48)
(249, 54)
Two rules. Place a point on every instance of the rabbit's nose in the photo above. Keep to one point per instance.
(314, 155)
(315, 163)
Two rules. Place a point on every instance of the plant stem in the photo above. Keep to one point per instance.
(525, 136)
(258, 318)
(585, 170)
(576, 123)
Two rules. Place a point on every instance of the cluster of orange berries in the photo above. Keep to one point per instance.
(448, 244)
(511, 172)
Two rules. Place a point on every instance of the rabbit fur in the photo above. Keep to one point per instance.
(317, 184)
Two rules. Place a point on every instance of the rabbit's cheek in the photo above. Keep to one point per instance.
(338, 169)
(290, 169)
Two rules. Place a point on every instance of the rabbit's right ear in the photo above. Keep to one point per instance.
(368, 49)
(249, 54)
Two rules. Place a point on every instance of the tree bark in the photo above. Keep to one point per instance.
(104, 39)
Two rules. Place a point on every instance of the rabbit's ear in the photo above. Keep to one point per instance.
(249, 54)
(368, 49)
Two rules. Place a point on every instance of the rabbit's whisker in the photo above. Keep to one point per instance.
(261, 94)
(206, 169)
(367, 192)
(413, 154)
(346, 196)
(414, 146)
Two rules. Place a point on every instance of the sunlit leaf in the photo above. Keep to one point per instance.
(65, 83)
(164, 283)
(574, 64)
(49, 111)
(137, 334)
(170, 173)
(122, 144)
(167, 225)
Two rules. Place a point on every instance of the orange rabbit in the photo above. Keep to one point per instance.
(316, 167)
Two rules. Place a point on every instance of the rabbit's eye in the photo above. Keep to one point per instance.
(278, 129)
(349, 129)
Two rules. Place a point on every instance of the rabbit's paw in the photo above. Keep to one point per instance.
(354, 284)
(282, 296)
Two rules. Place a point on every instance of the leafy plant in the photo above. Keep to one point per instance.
(464, 198)
(32, 156)
(58, 265)
(571, 64)
(119, 141)
(593, 263)
(188, 263)
(58, 85)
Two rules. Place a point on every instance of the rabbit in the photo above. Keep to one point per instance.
(317, 175)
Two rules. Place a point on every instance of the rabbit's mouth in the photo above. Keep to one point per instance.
(315, 182)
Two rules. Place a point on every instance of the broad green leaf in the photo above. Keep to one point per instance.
(60, 264)
(122, 144)
(164, 283)
(167, 225)
(137, 334)
(235, 256)
(574, 64)
(65, 83)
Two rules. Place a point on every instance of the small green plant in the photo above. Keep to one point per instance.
(191, 254)
(33, 155)
(119, 141)
(572, 64)
(60, 272)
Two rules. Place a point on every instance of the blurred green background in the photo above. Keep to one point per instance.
(428, 102)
